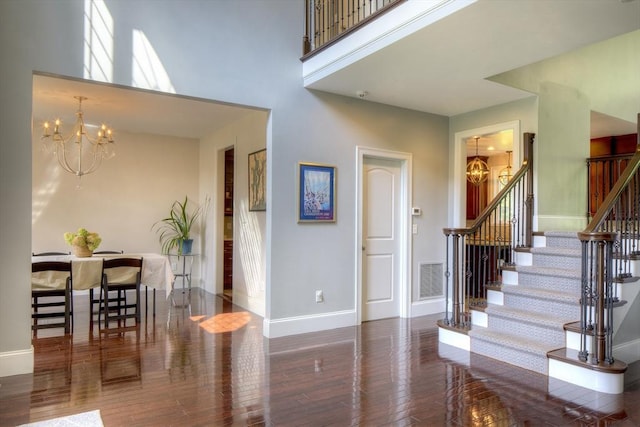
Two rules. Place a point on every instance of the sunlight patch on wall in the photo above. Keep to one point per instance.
(251, 259)
(98, 41)
(42, 194)
(148, 71)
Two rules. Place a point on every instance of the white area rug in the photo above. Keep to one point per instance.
(83, 419)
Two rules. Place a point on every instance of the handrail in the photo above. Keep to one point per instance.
(614, 225)
(476, 255)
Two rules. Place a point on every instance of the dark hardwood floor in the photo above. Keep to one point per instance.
(207, 364)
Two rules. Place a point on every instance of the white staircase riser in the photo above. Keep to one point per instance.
(539, 241)
(495, 297)
(572, 340)
(479, 318)
(523, 258)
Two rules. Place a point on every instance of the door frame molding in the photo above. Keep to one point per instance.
(458, 180)
(405, 159)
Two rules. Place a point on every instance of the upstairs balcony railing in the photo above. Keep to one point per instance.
(328, 20)
(602, 174)
(476, 255)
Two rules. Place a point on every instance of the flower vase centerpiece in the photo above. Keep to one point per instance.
(83, 242)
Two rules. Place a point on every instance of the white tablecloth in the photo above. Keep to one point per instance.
(156, 271)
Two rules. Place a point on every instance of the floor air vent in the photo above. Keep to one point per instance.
(431, 281)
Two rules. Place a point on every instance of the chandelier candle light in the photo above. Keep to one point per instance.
(87, 154)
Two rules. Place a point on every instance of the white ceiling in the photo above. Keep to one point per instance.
(420, 72)
(443, 68)
(127, 109)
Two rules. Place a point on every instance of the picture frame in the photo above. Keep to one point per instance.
(316, 193)
(257, 180)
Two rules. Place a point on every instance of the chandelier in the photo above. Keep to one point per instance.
(477, 169)
(505, 174)
(78, 153)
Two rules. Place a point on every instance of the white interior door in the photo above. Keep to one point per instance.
(381, 225)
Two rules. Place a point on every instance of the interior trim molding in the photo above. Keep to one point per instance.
(16, 362)
(313, 323)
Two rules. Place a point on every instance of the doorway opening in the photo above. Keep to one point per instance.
(227, 281)
(494, 142)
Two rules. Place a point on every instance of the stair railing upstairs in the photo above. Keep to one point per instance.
(609, 244)
(477, 255)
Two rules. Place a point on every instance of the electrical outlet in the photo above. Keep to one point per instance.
(319, 296)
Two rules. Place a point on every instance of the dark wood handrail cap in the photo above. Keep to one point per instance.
(448, 231)
(593, 236)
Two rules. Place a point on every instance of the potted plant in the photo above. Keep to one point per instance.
(175, 230)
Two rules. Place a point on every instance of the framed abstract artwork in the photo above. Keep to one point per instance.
(258, 180)
(316, 193)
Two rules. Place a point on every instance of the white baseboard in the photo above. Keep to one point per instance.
(304, 324)
(426, 307)
(628, 352)
(16, 362)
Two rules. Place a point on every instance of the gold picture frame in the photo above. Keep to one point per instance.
(258, 180)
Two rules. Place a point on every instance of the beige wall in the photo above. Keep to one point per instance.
(121, 200)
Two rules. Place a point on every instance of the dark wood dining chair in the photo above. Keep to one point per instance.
(93, 301)
(120, 275)
(51, 296)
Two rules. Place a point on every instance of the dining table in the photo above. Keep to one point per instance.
(87, 271)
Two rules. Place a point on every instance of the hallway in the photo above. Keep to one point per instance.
(205, 362)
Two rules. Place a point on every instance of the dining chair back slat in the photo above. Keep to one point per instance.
(120, 275)
(51, 299)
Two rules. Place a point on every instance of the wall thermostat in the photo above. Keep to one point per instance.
(416, 211)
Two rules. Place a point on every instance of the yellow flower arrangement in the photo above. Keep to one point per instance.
(83, 238)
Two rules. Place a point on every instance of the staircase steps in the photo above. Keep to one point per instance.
(530, 322)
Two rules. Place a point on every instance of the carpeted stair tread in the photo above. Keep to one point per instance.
(563, 234)
(544, 319)
(509, 340)
(558, 251)
(549, 271)
(542, 293)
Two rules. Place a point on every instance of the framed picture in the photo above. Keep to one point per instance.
(258, 180)
(316, 193)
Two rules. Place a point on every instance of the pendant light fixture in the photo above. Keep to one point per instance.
(505, 174)
(477, 169)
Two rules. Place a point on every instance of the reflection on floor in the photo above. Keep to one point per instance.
(204, 361)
